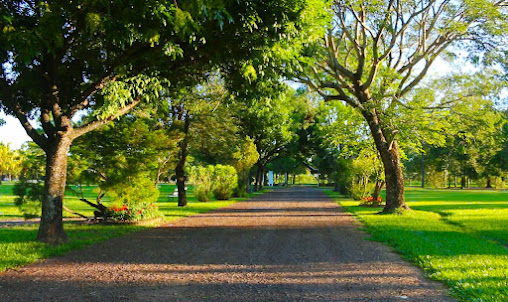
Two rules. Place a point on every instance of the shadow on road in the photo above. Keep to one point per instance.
(287, 245)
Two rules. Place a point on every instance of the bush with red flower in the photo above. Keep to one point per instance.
(134, 212)
(369, 201)
(133, 200)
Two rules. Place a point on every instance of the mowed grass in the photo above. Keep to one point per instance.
(457, 237)
(18, 245)
(167, 203)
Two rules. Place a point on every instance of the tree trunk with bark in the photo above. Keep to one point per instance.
(377, 189)
(336, 186)
(423, 169)
(489, 183)
(180, 166)
(259, 177)
(51, 226)
(388, 150)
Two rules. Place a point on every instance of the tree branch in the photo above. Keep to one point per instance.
(38, 138)
(84, 97)
(77, 132)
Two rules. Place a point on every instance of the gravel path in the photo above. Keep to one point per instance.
(287, 245)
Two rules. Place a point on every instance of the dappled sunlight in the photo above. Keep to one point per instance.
(300, 247)
(304, 273)
(323, 280)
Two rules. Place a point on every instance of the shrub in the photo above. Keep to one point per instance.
(134, 200)
(136, 212)
(225, 180)
(138, 190)
(29, 200)
(201, 178)
(360, 187)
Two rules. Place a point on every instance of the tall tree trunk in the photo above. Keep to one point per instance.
(244, 185)
(51, 226)
(377, 189)
(180, 166)
(158, 176)
(423, 170)
(256, 179)
(336, 186)
(463, 182)
(259, 177)
(160, 170)
(389, 151)
(489, 183)
(157, 179)
(249, 182)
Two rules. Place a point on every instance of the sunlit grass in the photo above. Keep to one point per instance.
(457, 240)
(18, 245)
(484, 212)
(167, 203)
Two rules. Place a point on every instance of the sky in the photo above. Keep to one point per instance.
(12, 132)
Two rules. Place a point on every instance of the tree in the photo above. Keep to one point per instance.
(461, 137)
(33, 161)
(471, 147)
(121, 153)
(197, 114)
(62, 57)
(501, 158)
(268, 122)
(10, 161)
(375, 54)
(342, 140)
(244, 158)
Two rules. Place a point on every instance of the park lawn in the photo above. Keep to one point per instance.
(18, 246)
(457, 237)
(483, 212)
(167, 204)
(7, 208)
(9, 211)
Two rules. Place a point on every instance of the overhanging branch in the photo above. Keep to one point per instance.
(77, 132)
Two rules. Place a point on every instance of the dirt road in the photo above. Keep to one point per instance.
(287, 245)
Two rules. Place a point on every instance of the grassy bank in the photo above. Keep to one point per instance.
(457, 237)
(18, 245)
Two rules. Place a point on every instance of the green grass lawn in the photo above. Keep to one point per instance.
(168, 205)
(457, 237)
(18, 245)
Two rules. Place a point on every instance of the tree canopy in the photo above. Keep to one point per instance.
(62, 57)
(374, 54)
